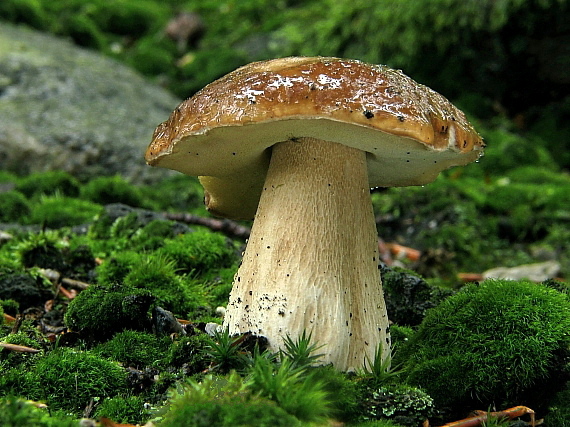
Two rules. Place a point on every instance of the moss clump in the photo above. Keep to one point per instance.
(44, 250)
(225, 402)
(100, 311)
(130, 409)
(117, 267)
(15, 206)
(20, 286)
(49, 183)
(111, 189)
(135, 349)
(19, 359)
(68, 379)
(157, 274)
(489, 343)
(15, 412)
(58, 211)
(189, 352)
(200, 251)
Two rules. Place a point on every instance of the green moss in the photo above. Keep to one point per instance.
(101, 311)
(111, 189)
(222, 401)
(44, 250)
(342, 390)
(400, 335)
(49, 183)
(173, 292)
(15, 206)
(68, 379)
(22, 287)
(15, 381)
(200, 251)
(130, 409)
(20, 359)
(16, 412)
(489, 342)
(10, 306)
(190, 352)
(294, 389)
(135, 349)
(116, 268)
(58, 211)
(179, 193)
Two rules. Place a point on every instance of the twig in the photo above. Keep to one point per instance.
(226, 226)
(18, 348)
(75, 284)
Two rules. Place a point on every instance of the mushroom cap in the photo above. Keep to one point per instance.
(224, 132)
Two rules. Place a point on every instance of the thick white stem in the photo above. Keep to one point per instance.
(311, 262)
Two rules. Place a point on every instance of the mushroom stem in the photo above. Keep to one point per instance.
(311, 262)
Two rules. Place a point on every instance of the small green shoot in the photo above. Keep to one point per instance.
(380, 370)
(226, 352)
(300, 351)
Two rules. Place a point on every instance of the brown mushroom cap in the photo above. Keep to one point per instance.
(223, 133)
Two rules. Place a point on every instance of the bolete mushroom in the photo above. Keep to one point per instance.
(298, 142)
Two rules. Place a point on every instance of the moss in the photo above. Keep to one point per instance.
(295, 389)
(44, 250)
(200, 251)
(111, 189)
(222, 401)
(123, 228)
(101, 311)
(20, 359)
(15, 206)
(179, 193)
(69, 379)
(15, 381)
(189, 352)
(173, 292)
(49, 183)
(342, 390)
(130, 409)
(400, 335)
(22, 287)
(10, 306)
(58, 211)
(15, 412)
(116, 268)
(489, 343)
(135, 349)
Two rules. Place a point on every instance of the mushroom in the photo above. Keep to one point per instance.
(298, 142)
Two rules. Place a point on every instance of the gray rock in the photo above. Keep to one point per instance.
(63, 107)
(537, 272)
